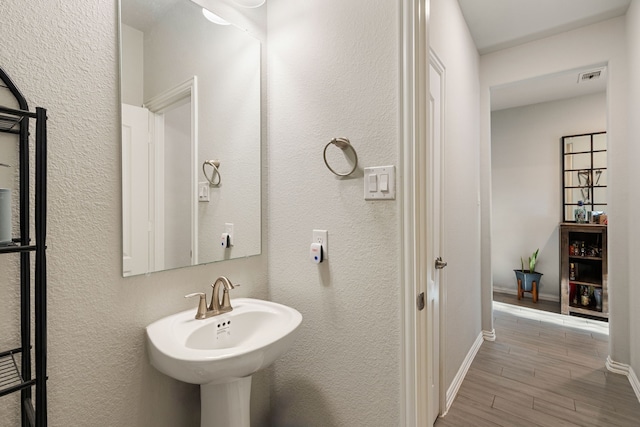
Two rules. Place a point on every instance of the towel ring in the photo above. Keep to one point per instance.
(343, 144)
(215, 164)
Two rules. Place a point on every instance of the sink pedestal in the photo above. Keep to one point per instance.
(225, 404)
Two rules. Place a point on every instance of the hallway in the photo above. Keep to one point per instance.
(544, 369)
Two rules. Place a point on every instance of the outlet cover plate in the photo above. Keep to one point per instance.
(322, 236)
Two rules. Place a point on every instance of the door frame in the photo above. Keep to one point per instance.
(157, 105)
(414, 203)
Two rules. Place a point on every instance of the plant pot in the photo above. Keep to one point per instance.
(527, 279)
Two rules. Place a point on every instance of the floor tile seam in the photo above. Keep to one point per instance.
(568, 417)
(537, 422)
(485, 413)
(563, 392)
(530, 388)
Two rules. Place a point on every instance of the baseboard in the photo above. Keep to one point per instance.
(462, 372)
(541, 295)
(627, 370)
(489, 335)
(635, 383)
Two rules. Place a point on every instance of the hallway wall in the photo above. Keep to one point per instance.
(633, 50)
(527, 181)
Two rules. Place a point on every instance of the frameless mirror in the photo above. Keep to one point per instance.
(191, 128)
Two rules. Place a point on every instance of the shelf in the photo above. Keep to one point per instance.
(585, 283)
(10, 378)
(23, 370)
(13, 247)
(9, 123)
(587, 312)
(585, 258)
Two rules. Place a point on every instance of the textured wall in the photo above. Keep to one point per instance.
(527, 183)
(333, 70)
(63, 56)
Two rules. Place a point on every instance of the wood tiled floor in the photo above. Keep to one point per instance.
(544, 369)
(526, 301)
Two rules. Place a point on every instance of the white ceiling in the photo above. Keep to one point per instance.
(142, 14)
(499, 24)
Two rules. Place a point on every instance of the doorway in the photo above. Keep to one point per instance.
(528, 121)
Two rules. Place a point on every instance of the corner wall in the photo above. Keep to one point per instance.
(526, 191)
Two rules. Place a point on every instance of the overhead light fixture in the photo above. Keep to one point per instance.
(213, 17)
(249, 3)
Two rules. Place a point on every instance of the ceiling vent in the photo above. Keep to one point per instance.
(590, 75)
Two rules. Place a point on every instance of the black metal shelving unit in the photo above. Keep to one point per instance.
(15, 364)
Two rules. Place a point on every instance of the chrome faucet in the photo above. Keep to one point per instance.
(215, 307)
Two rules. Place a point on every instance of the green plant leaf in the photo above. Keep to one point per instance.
(532, 261)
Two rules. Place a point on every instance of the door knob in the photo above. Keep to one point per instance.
(440, 264)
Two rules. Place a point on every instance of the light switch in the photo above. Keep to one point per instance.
(373, 183)
(380, 183)
(384, 182)
(203, 191)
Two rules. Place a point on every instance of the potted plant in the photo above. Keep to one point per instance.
(528, 280)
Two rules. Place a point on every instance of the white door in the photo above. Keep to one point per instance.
(135, 190)
(434, 247)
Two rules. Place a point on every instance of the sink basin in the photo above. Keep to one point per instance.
(231, 345)
(222, 352)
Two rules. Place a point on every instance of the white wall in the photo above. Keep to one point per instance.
(600, 43)
(333, 70)
(633, 50)
(99, 374)
(527, 181)
(450, 39)
(132, 78)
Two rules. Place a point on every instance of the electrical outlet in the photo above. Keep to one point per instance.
(321, 236)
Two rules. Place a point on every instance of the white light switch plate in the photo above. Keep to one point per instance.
(203, 191)
(375, 179)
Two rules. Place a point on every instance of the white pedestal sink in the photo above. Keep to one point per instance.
(222, 352)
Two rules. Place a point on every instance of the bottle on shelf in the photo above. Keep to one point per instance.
(580, 213)
(585, 298)
(598, 296)
(572, 271)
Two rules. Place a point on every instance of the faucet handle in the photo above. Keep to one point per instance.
(202, 304)
(226, 302)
